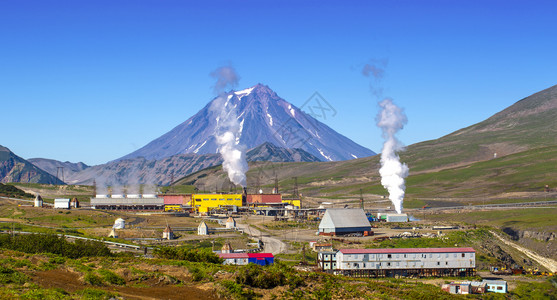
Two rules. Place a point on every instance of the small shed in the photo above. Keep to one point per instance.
(230, 223)
(457, 287)
(62, 203)
(262, 259)
(113, 234)
(344, 221)
(234, 258)
(38, 201)
(167, 233)
(74, 203)
(227, 248)
(496, 286)
(203, 229)
(478, 287)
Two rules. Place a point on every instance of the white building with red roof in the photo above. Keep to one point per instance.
(406, 258)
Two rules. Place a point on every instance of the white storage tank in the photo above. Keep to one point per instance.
(102, 196)
(119, 224)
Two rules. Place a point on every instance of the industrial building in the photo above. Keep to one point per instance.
(177, 202)
(203, 203)
(406, 262)
(339, 221)
(62, 203)
(128, 202)
(262, 259)
(199, 203)
(391, 217)
(271, 200)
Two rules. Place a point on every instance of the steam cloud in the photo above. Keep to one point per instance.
(390, 119)
(228, 129)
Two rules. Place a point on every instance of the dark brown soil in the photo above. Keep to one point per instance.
(71, 283)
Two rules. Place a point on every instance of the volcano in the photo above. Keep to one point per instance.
(264, 117)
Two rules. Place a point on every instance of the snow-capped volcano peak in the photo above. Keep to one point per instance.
(265, 117)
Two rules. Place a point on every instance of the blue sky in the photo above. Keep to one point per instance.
(92, 81)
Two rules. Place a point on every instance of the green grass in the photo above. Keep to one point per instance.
(524, 218)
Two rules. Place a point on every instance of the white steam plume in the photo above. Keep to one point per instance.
(227, 133)
(391, 119)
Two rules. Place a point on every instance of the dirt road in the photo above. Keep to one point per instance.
(548, 263)
(270, 244)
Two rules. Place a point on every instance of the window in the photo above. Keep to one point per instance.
(499, 288)
(388, 264)
(438, 263)
(446, 263)
(388, 256)
(404, 255)
(463, 254)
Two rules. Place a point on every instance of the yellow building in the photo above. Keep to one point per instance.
(203, 203)
(293, 202)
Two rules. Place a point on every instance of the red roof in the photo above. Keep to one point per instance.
(260, 255)
(233, 255)
(406, 250)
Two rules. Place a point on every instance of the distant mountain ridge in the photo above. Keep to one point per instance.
(16, 169)
(264, 117)
(139, 170)
(67, 169)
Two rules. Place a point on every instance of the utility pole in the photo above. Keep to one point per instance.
(361, 199)
(276, 184)
(296, 194)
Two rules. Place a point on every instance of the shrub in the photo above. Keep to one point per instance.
(94, 294)
(8, 275)
(93, 279)
(40, 294)
(49, 243)
(259, 277)
(236, 290)
(193, 255)
(111, 277)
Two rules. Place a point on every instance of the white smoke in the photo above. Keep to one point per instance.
(391, 119)
(227, 133)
